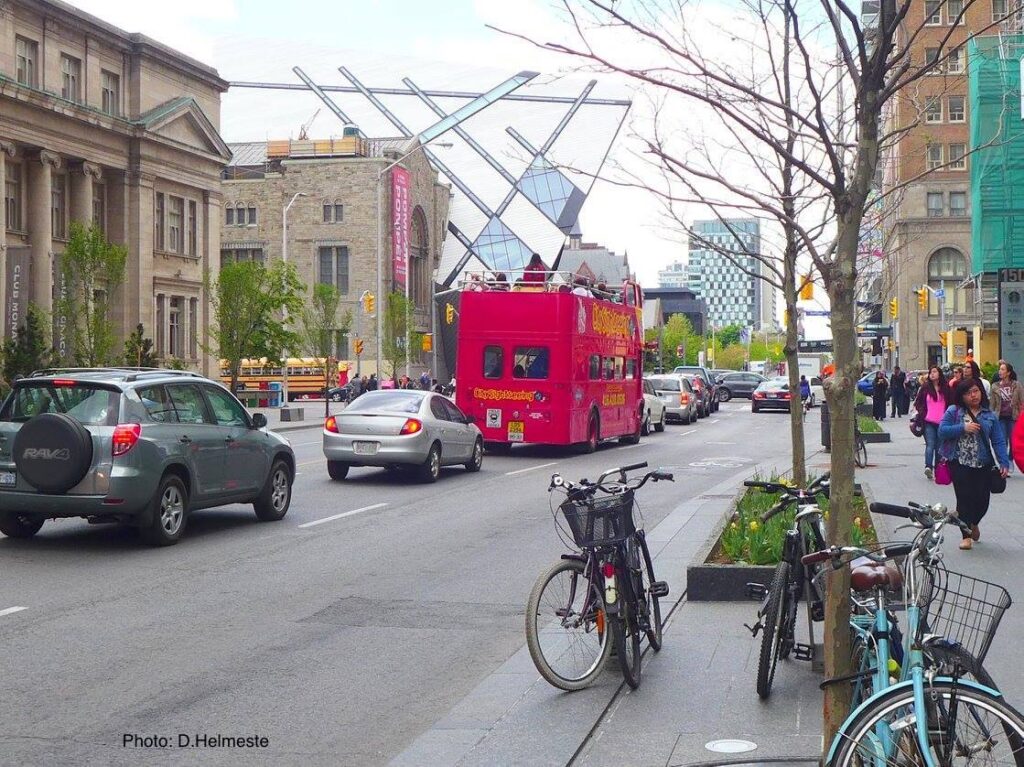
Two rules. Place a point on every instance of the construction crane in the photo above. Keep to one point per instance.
(304, 130)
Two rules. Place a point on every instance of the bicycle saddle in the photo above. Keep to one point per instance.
(866, 575)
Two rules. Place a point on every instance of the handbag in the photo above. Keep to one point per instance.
(943, 476)
(917, 426)
(996, 480)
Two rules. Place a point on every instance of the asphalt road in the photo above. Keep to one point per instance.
(338, 634)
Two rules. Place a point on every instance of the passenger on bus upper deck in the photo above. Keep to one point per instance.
(500, 282)
(534, 271)
(581, 288)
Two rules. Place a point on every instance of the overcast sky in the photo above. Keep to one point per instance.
(443, 43)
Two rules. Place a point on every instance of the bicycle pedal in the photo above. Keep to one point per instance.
(659, 589)
(803, 652)
(753, 629)
(757, 591)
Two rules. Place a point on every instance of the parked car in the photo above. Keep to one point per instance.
(654, 410)
(703, 394)
(771, 394)
(709, 379)
(677, 395)
(402, 427)
(142, 447)
(341, 393)
(866, 383)
(736, 384)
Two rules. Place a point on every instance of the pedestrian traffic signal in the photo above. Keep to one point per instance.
(922, 298)
(359, 346)
(894, 307)
(449, 314)
(369, 302)
(428, 342)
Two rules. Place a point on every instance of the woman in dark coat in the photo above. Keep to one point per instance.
(879, 396)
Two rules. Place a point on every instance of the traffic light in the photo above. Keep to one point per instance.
(894, 308)
(892, 345)
(449, 314)
(807, 289)
(359, 346)
(428, 342)
(369, 302)
(943, 338)
(922, 298)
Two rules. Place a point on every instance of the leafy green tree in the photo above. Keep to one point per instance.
(729, 335)
(92, 269)
(138, 350)
(678, 331)
(318, 323)
(398, 330)
(29, 349)
(732, 357)
(250, 304)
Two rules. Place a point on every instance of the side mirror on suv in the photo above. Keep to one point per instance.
(259, 420)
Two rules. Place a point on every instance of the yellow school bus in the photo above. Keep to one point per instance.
(305, 376)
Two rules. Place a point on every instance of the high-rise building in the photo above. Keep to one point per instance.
(673, 276)
(729, 285)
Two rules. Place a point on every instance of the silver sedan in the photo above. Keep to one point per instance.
(402, 427)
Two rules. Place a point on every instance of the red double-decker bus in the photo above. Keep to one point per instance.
(541, 364)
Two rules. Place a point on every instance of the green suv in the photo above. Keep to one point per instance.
(139, 446)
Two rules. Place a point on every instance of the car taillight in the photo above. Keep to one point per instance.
(684, 399)
(125, 437)
(608, 569)
(759, 395)
(63, 382)
(331, 424)
(786, 395)
(411, 426)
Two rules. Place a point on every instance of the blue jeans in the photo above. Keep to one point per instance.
(1007, 424)
(931, 444)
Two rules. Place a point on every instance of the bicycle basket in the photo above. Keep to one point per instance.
(602, 521)
(963, 609)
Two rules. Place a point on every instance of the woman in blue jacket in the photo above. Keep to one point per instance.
(967, 430)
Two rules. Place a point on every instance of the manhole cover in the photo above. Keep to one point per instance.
(730, 746)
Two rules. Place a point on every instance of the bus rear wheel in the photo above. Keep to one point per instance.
(593, 435)
(634, 438)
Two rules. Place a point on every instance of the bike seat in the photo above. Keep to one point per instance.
(867, 575)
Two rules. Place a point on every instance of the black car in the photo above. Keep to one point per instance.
(344, 393)
(772, 394)
(735, 384)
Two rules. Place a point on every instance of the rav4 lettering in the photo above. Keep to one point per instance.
(46, 454)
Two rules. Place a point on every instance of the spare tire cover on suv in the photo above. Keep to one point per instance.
(53, 452)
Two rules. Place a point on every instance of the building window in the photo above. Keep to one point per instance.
(933, 12)
(111, 93)
(334, 267)
(26, 54)
(334, 212)
(12, 195)
(957, 156)
(252, 216)
(236, 255)
(160, 325)
(229, 216)
(933, 110)
(174, 328)
(99, 206)
(58, 207)
(958, 204)
(934, 157)
(193, 229)
(956, 61)
(71, 77)
(935, 204)
(931, 55)
(956, 109)
(193, 328)
(239, 214)
(419, 260)
(158, 222)
(954, 11)
(175, 217)
(999, 10)
(947, 268)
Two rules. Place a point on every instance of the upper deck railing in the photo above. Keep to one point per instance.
(550, 282)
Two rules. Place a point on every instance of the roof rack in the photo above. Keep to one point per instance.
(130, 373)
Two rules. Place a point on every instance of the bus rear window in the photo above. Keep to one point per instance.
(492, 361)
(530, 362)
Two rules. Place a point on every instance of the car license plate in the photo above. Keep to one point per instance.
(515, 431)
(8, 478)
(365, 448)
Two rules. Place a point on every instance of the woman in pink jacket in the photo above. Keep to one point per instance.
(931, 403)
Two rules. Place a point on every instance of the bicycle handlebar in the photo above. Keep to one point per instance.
(585, 485)
(890, 510)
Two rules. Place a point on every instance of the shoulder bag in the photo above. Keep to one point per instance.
(996, 480)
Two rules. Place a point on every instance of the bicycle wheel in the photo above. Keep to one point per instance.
(650, 602)
(965, 727)
(626, 636)
(565, 630)
(773, 630)
(861, 456)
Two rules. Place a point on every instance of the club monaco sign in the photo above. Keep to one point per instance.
(17, 289)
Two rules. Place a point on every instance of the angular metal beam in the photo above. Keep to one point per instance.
(323, 96)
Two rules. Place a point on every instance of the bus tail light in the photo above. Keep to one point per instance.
(411, 426)
(125, 437)
(331, 425)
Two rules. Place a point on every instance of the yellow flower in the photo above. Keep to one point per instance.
(857, 522)
(734, 526)
(754, 525)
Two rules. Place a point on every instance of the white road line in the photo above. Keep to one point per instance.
(529, 468)
(714, 421)
(684, 433)
(345, 514)
(314, 442)
(11, 610)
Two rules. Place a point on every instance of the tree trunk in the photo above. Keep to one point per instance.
(796, 414)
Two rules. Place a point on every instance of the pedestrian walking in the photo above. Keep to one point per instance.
(897, 391)
(931, 403)
(371, 383)
(878, 396)
(425, 380)
(970, 434)
(1008, 400)
(358, 386)
(971, 370)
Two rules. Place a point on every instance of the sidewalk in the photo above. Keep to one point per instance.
(312, 411)
(700, 687)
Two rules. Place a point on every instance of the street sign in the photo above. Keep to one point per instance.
(817, 313)
(940, 293)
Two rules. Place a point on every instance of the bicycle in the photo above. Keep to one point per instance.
(791, 580)
(860, 455)
(951, 621)
(606, 587)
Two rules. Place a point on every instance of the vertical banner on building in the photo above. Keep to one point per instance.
(1011, 317)
(61, 341)
(17, 277)
(400, 221)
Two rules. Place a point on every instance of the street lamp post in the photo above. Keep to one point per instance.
(380, 256)
(284, 258)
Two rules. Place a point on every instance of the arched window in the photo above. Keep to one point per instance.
(419, 257)
(947, 268)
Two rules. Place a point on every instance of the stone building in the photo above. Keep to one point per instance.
(334, 224)
(99, 125)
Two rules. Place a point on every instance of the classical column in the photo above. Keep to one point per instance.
(40, 234)
(6, 151)
(82, 178)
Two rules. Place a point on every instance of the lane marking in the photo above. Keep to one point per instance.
(342, 515)
(530, 468)
(684, 433)
(11, 610)
(714, 421)
(310, 463)
(302, 444)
